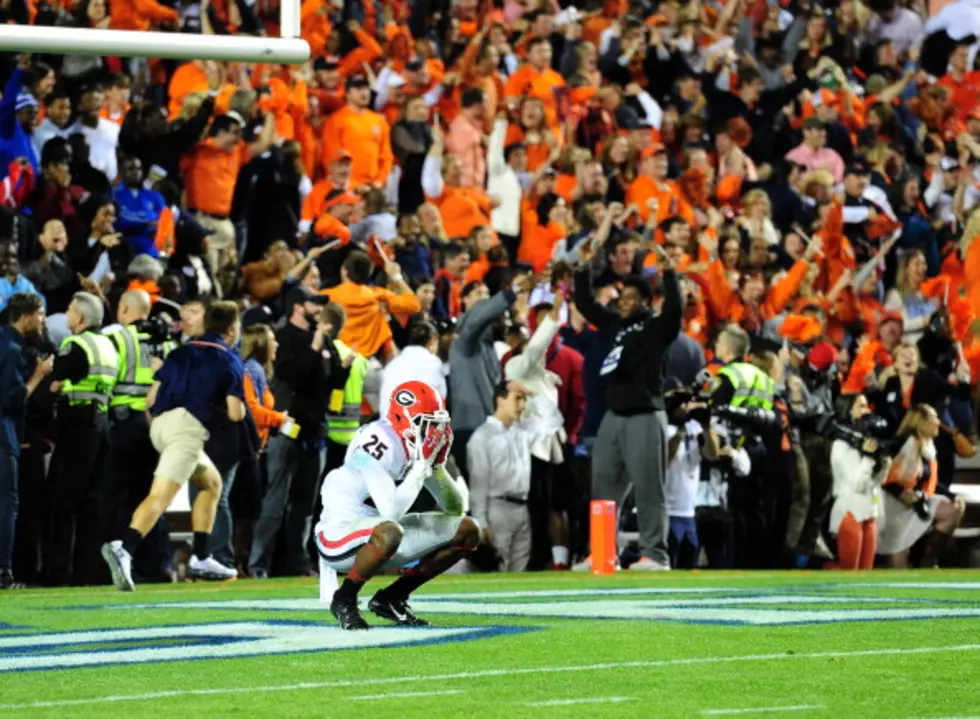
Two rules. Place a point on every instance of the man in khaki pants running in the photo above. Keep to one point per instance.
(197, 381)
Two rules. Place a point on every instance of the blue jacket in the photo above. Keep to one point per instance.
(14, 140)
(593, 348)
(139, 212)
(13, 390)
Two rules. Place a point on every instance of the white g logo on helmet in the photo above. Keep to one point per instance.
(404, 398)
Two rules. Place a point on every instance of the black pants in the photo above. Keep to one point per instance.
(817, 451)
(460, 438)
(745, 503)
(246, 492)
(77, 517)
(540, 504)
(578, 510)
(716, 536)
(129, 476)
(32, 519)
(777, 497)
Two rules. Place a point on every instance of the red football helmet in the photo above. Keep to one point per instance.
(418, 414)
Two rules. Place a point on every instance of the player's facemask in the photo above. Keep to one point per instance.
(428, 432)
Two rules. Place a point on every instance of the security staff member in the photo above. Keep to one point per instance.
(197, 383)
(741, 384)
(132, 457)
(85, 375)
(344, 410)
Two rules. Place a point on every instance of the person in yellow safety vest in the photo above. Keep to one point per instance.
(739, 383)
(85, 375)
(132, 457)
(742, 385)
(344, 412)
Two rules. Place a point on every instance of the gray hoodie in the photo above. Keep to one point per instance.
(474, 367)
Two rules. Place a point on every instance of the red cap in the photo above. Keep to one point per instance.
(343, 198)
(652, 150)
(892, 316)
(822, 356)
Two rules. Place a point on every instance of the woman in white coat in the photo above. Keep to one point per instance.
(857, 477)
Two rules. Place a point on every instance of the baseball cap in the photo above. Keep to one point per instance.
(822, 356)
(357, 81)
(652, 150)
(25, 99)
(764, 343)
(444, 325)
(342, 156)
(892, 317)
(949, 164)
(858, 166)
(341, 197)
(326, 62)
(301, 294)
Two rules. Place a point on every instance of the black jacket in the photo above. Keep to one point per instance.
(304, 379)
(634, 368)
(164, 150)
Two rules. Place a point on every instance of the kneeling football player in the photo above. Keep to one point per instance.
(365, 526)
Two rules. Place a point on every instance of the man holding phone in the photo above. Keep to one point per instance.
(308, 369)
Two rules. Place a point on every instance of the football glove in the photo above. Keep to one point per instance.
(442, 455)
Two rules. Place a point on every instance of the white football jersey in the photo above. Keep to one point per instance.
(374, 466)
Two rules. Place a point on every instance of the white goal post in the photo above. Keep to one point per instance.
(289, 49)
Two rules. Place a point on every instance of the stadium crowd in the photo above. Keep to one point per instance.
(726, 250)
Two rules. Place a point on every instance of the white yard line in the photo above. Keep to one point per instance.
(762, 710)
(584, 700)
(467, 676)
(404, 695)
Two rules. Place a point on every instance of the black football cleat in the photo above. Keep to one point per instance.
(395, 610)
(348, 614)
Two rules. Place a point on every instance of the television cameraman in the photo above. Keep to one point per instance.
(141, 344)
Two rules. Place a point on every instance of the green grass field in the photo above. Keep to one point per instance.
(821, 644)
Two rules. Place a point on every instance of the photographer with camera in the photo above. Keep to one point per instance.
(743, 399)
(911, 506)
(141, 344)
(722, 463)
(812, 386)
(858, 459)
(693, 441)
